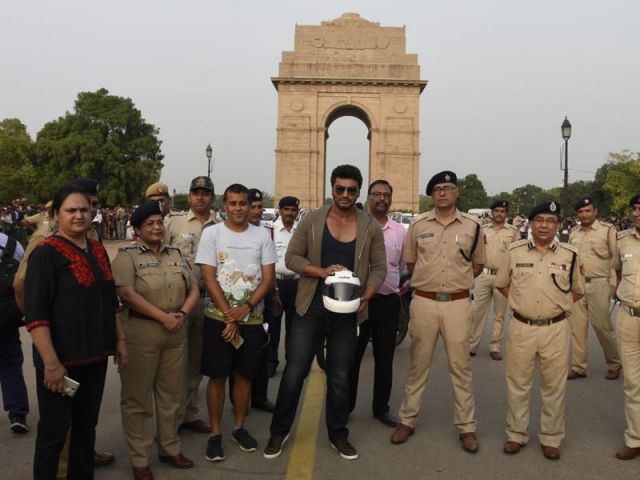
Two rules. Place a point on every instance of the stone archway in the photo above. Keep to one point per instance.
(348, 66)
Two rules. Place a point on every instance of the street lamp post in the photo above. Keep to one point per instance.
(209, 152)
(566, 134)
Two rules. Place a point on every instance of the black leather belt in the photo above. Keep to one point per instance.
(538, 321)
(280, 276)
(443, 297)
(634, 312)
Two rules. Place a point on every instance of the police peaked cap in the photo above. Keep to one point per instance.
(583, 202)
(89, 184)
(442, 177)
(255, 195)
(545, 207)
(157, 189)
(289, 202)
(635, 199)
(500, 204)
(144, 211)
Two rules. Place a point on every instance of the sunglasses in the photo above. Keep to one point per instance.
(341, 188)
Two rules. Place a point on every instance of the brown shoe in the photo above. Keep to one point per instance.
(511, 448)
(142, 473)
(551, 453)
(573, 375)
(613, 374)
(495, 356)
(196, 426)
(401, 434)
(102, 459)
(627, 453)
(469, 442)
(179, 461)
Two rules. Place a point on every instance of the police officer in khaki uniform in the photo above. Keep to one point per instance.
(40, 223)
(183, 232)
(444, 252)
(157, 286)
(498, 235)
(596, 244)
(626, 263)
(542, 279)
(160, 192)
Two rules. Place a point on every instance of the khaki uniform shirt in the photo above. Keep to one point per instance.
(529, 275)
(437, 252)
(184, 232)
(627, 261)
(42, 222)
(596, 246)
(163, 280)
(497, 241)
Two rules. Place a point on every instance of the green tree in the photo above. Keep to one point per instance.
(472, 193)
(526, 197)
(180, 201)
(426, 203)
(17, 174)
(105, 138)
(623, 179)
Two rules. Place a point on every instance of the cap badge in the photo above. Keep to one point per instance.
(447, 177)
(553, 207)
(586, 201)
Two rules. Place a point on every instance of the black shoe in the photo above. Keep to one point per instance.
(244, 440)
(214, 449)
(345, 449)
(274, 446)
(18, 425)
(264, 405)
(387, 419)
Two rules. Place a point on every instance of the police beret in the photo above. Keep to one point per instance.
(255, 195)
(144, 211)
(89, 184)
(289, 202)
(635, 199)
(157, 189)
(201, 182)
(545, 207)
(583, 202)
(500, 204)
(442, 177)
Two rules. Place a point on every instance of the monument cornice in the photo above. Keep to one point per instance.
(348, 81)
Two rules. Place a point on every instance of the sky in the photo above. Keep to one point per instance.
(502, 76)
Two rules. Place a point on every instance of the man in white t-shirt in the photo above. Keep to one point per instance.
(237, 264)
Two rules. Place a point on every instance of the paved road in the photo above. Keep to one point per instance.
(595, 423)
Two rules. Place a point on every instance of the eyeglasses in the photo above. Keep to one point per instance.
(341, 188)
(447, 189)
(548, 221)
(379, 195)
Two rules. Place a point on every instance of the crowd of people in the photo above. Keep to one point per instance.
(193, 295)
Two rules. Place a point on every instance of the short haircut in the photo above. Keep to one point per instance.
(379, 182)
(61, 195)
(346, 171)
(235, 188)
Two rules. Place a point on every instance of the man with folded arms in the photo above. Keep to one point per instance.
(444, 251)
(542, 278)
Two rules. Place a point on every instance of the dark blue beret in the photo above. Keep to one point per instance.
(583, 202)
(289, 202)
(500, 204)
(442, 177)
(545, 207)
(89, 184)
(144, 211)
(255, 195)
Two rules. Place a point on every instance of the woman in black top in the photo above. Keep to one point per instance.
(71, 307)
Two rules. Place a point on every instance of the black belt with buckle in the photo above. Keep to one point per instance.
(443, 297)
(633, 311)
(280, 276)
(540, 322)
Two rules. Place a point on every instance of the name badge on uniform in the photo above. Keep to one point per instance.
(148, 265)
(558, 266)
(425, 235)
(524, 265)
(627, 255)
(185, 235)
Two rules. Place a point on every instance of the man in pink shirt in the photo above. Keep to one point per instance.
(384, 309)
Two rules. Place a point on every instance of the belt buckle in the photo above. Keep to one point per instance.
(634, 311)
(443, 297)
(538, 322)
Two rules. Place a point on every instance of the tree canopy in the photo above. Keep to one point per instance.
(17, 173)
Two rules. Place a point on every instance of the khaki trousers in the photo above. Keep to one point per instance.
(189, 406)
(548, 346)
(428, 320)
(154, 375)
(594, 307)
(629, 343)
(483, 292)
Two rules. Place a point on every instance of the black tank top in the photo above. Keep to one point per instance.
(337, 252)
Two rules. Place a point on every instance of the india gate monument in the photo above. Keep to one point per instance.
(348, 67)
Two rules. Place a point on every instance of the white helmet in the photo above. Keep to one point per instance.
(341, 292)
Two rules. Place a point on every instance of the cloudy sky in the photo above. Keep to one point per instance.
(502, 76)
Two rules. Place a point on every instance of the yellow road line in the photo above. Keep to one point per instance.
(303, 454)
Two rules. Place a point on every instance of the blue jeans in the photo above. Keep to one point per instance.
(306, 333)
(14, 390)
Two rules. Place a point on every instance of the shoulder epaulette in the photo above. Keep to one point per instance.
(606, 224)
(519, 243)
(625, 233)
(421, 216)
(129, 247)
(209, 224)
(575, 228)
(511, 227)
(470, 217)
(568, 246)
(486, 225)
